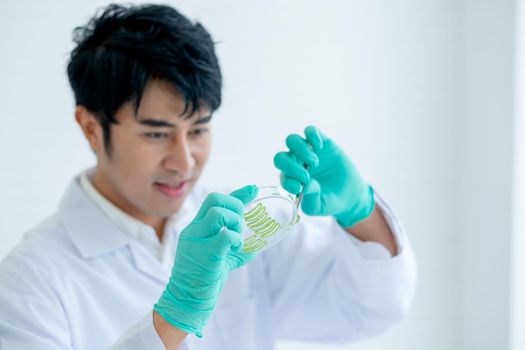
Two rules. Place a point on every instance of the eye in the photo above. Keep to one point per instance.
(156, 135)
(198, 132)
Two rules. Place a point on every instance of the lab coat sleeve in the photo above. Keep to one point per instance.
(143, 336)
(32, 316)
(327, 286)
(30, 322)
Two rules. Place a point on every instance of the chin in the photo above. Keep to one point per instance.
(175, 205)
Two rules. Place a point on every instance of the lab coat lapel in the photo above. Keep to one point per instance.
(148, 264)
(93, 233)
(90, 230)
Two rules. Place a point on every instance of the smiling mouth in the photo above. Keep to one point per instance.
(172, 190)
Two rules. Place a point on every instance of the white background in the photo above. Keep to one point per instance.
(420, 93)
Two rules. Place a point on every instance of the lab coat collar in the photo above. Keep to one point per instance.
(147, 263)
(93, 233)
(87, 225)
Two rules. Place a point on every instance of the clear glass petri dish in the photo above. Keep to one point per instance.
(268, 218)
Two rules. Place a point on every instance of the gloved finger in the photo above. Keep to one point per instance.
(302, 150)
(314, 137)
(222, 200)
(311, 203)
(228, 240)
(239, 258)
(290, 167)
(291, 185)
(246, 194)
(216, 218)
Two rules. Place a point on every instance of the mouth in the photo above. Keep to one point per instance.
(172, 189)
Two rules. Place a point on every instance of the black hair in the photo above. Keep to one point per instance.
(122, 47)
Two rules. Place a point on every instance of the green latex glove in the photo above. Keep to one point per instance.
(332, 184)
(208, 249)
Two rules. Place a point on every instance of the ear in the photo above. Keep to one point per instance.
(91, 128)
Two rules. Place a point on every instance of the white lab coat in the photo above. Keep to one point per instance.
(77, 282)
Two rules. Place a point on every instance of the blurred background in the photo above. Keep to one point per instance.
(426, 96)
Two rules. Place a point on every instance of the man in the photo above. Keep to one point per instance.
(139, 257)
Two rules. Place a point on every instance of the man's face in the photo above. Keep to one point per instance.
(156, 156)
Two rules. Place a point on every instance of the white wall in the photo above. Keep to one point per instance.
(517, 338)
(487, 97)
(386, 79)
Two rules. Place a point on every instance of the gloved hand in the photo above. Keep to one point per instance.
(332, 184)
(208, 249)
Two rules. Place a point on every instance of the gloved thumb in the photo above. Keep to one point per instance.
(311, 203)
(246, 194)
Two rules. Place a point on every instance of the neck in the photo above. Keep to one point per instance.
(159, 229)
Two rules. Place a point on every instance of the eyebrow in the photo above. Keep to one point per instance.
(160, 123)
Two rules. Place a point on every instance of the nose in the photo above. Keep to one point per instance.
(180, 158)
